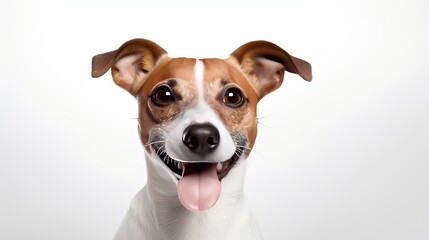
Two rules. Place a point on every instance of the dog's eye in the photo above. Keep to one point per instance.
(162, 96)
(233, 97)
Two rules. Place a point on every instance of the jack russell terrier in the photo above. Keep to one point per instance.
(197, 122)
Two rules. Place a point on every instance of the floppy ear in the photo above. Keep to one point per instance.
(130, 63)
(266, 62)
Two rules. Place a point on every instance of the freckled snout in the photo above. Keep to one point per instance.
(201, 139)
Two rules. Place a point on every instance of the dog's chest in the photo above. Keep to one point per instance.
(226, 220)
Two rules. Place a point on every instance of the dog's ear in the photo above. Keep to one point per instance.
(130, 63)
(265, 63)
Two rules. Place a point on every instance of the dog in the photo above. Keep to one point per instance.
(197, 122)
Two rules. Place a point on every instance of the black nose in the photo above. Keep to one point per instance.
(201, 138)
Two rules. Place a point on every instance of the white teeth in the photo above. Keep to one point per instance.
(219, 166)
(180, 166)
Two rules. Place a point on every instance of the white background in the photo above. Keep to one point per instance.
(343, 157)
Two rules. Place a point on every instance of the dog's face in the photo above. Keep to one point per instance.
(198, 116)
(197, 111)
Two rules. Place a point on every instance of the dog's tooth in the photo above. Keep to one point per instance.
(180, 166)
(219, 166)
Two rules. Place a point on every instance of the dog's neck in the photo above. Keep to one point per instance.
(175, 220)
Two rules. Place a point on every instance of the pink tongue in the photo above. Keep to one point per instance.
(199, 188)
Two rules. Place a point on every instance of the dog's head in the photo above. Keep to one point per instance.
(198, 116)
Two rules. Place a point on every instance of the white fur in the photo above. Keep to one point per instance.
(199, 78)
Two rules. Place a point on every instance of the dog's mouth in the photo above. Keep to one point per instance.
(178, 167)
(199, 184)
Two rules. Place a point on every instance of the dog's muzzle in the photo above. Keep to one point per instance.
(198, 182)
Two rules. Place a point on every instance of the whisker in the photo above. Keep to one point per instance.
(251, 149)
(262, 124)
(127, 118)
(155, 142)
(266, 116)
(245, 147)
(158, 151)
(167, 158)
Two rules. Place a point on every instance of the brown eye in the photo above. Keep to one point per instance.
(162, 96)
(233, 97)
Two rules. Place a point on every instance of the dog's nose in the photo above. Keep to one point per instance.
(201, 138)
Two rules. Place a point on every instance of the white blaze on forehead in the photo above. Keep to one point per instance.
(199, 78)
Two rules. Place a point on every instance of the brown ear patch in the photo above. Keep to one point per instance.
(265, 63)
(273, 52)
(129, 63)
(101, 63)
(269, 74)
(129, 71)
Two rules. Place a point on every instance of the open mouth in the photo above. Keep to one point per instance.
(199, 184)
(178, 167)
